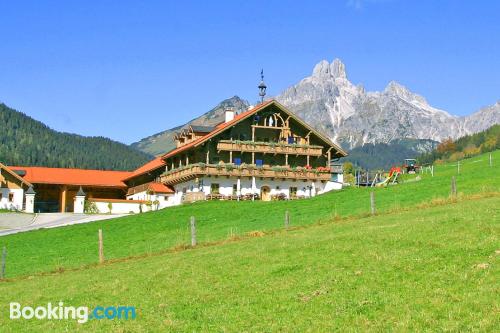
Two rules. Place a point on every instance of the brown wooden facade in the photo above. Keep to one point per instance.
(271, 142)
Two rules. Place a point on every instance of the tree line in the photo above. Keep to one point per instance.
(28, 142)
(464, 147)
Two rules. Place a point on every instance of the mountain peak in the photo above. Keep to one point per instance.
(335, 70)
(396, 88)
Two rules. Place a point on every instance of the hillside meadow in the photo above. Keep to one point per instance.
(430, 268)
(427, 261)
(70, 247)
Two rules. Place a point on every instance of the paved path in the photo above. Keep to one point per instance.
(15, 220)
(19, 222)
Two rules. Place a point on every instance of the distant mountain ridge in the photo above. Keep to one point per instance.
(162, 142)
(28, 142)
(353, 117)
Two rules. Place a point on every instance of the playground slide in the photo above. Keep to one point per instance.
(392, 176)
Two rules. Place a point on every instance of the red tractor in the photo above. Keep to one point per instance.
(410, 166)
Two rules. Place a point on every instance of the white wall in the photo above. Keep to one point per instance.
(226, 186)
(17, 201)
(305, 189)
(120, 207)
(165, 200)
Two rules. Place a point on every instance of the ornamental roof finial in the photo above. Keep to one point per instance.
(262, 86)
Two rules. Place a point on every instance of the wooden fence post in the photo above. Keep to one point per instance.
(101, 247)
(193, 231)
(372, 202)
(453, 186)
(287, 219)
(4, 258)
(432, 170)
(491, 160)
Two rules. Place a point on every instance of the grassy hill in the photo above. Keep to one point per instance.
(466, 146)
(25, 141)
(425, 261)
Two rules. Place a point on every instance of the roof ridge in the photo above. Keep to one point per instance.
(44, 167)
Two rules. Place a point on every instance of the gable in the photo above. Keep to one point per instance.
(222, 128)
(10, 179)
(264, 110)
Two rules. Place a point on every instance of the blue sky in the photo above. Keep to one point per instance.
(128, 69)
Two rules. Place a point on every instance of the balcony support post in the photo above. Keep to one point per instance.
(286, 159)
(238, 188)
(253, 188)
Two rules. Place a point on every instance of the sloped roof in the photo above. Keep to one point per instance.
(221, 127)
(150, 166)
(202, 129)
(14, 174)
(160, 188)
(66, 176)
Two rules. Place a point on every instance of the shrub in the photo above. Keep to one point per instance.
(349, 178)
(456, 156)
(471, 150)
(89, 207)
(348, 168)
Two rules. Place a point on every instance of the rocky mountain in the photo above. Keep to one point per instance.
(353, 117)
(483, 118)
(162, 142)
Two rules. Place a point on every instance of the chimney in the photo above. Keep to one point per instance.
(229, 114)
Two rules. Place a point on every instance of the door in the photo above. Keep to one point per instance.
(265, 193)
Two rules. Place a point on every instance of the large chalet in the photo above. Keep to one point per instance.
(265, 153)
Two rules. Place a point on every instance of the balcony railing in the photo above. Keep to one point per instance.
(269, 147)
(337, 168)
(192, 171)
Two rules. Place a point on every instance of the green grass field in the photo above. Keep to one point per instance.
(425, 262)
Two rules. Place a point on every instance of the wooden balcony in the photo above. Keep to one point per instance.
(269, 148)
(189, 172)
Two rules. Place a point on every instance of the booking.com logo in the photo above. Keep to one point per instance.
(82, 313)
